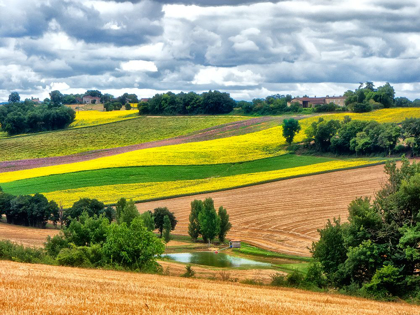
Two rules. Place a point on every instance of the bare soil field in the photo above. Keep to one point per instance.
(25, 235)
(283, 216)
(41, 289)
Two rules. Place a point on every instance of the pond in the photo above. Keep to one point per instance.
(215, 260)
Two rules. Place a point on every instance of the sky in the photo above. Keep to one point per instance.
(248, 48)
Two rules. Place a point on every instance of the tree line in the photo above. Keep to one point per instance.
(211, 102)
(17, 118)
(364, 137)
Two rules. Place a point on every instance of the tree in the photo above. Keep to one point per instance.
(119, 208)
(194, 225)
(159, 215)
(380, 234)
(56, 98)
(225, 225)
(93, 93)
(132, 246)
(166, 229)
(209, 221)
(148, 220)
(215, 102)
(128, 213)
(14, 97)
(91, 206)
(290, 128)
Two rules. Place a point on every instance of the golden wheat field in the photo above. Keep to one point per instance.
(283, 216)
(40, 289)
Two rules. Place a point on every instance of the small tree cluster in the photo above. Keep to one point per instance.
(17, 118)
(28, 210)
(205, 221)
(362, 137)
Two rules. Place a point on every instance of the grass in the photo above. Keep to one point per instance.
(255, 251)
(161, 190)
(105, 136)
(129, 175)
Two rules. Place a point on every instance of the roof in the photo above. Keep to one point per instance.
(312, 100)
(235, 240)
(88, 96)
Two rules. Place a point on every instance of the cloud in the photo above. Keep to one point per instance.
(245, 47)
(138, 65)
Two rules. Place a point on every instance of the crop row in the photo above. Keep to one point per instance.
(156, 190)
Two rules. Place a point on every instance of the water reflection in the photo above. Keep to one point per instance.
(215, 260)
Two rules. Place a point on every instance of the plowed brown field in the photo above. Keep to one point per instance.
(283, 216)
(40, 289)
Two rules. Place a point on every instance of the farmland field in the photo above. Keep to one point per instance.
(157, 190)
(40, 289)
(105, 136)
(280, 216)
(283, 216)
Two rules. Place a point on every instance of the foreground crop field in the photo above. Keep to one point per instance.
(283, 216)
(40, 289)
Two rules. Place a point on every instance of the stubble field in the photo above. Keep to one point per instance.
(40, 289)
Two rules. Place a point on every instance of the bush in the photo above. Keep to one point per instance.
(295, 279)
(74, 257)
(189, 273)
(19, 253)
(315, 276)
(385, 283)
(279, 280)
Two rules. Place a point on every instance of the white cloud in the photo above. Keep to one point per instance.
(138, 65)
(226, 77)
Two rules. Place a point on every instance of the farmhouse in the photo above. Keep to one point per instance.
(87, 99)
(312, 101)
(235, 244)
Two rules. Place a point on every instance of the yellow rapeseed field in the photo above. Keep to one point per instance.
(144, 191)
(93, 117)
(252, 146)
(42, 289)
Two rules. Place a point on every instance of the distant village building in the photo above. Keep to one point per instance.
(36, 100)
(144, 100)
(312, 101)
(79, 100)
(87, 99)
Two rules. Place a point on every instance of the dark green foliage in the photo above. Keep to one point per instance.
(14, 97)
(28, 210)
(378, 249)
(324, 108)
(212, 102)
(16, 118)
(109, 213)
(315, 276)
(159, 215)
(189, 272)
(411, 134)
(87, 230)
(127, 106)
(148, 220)
(132, 247)
(194, 225)
(166, 229)
(55, 244)
(366, 98)
(128, 213)
(93, 93)
(56, 98)
(225, 225)
(321, 132)
(119, 208)
(290, 128)
(209, 221)
(90, 206)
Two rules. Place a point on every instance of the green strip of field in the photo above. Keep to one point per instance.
(130, 175)
(111, 135)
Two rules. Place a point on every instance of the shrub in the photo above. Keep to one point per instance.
(189, 272)
(75, 257)
(295, 279)
(315, 276)
(385, 282)
(279, 280)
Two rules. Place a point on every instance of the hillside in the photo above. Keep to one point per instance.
(40, 289)
(281, 216)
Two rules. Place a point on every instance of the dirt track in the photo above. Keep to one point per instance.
(221, 131)
(284, 216)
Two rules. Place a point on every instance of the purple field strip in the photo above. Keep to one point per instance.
(220, 131)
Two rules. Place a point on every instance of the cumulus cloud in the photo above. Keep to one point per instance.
(245, 47)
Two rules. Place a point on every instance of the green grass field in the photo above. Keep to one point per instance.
(111, 135)
(129, 175)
